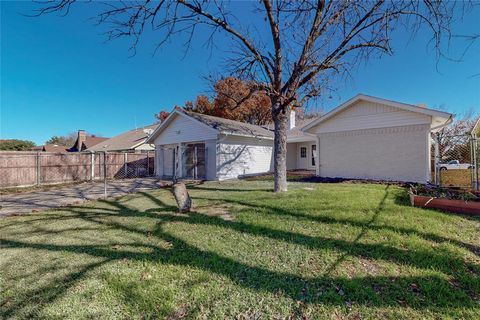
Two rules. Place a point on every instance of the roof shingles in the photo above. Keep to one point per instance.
(124, 141)
(227, 126)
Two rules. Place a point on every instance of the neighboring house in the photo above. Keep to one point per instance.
(84, 142)
(130, 141)
(52, 148)
(366, 137)
(475, 132)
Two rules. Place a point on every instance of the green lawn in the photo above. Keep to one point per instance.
(319, 251)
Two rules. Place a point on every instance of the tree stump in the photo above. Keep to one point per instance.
(184, 202)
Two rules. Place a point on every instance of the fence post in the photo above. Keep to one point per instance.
(475, 162)
(37, 159)
(148, 164)
(105, 174)
(437, 159)
(92, 167)
(125, 160)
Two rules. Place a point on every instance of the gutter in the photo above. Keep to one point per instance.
(449, 121)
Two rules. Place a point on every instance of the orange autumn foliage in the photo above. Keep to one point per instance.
(236, 100)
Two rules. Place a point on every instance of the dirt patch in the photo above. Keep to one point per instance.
(369, 266)
(219, 211)
(362, 265)
(180, 313)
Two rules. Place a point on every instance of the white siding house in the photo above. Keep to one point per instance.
(373, 138)
(364, 138)
(239, 156)
(204, 147)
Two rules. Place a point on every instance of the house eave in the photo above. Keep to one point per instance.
(166, 122)
(228, 133)
(409, 107)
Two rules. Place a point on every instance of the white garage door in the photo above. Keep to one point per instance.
(398, 153)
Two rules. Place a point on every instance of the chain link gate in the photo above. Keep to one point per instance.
(456, 161)
(476, 161)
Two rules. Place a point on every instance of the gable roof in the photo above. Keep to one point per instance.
(475, 132)
(92, 141)
(221, 125)
(125, 141)
(88, 143)
(226, 126)
(54, 148)
(296, 134)
(439, 118)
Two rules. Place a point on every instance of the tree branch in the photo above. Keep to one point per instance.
(225, 26)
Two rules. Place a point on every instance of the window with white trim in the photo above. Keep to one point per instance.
(314, 155)
(303, 152)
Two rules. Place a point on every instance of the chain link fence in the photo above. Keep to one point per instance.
(456, 161)
(23, 169)
(187, 161)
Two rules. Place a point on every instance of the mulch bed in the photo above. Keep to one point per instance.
(355, 181)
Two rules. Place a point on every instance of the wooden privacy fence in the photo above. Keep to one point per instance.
(18, 169)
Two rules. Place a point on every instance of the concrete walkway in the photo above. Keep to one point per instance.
(28, 202)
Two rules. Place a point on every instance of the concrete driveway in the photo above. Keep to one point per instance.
(28, 202)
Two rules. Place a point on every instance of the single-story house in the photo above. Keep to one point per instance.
(52, 147)
(85, 141)
(130, 141)
(365, 137)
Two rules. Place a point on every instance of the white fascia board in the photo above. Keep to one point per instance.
(399, 105)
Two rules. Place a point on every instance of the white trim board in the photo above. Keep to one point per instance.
(445, 116)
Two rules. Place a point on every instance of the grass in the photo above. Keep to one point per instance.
(319, 251)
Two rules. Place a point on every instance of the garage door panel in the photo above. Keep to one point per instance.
(388, 154)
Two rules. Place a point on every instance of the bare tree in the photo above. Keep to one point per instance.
(308, 43)
(454, 139)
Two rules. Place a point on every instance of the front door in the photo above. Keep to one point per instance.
(307, 156)
(303, 158)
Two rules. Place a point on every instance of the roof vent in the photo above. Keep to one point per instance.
(148, 131)
(422, 105)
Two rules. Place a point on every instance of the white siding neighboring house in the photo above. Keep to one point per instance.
(366, 137)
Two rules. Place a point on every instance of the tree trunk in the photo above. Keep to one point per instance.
(280, 151)
(179, 189)
(184, 202)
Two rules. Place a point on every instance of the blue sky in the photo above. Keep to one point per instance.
(58, 75)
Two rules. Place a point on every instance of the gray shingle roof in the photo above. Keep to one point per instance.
(296, 131)
(124, 141)
(227, 126)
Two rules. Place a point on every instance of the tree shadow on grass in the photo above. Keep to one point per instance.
(431, 291)
(298, 214)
